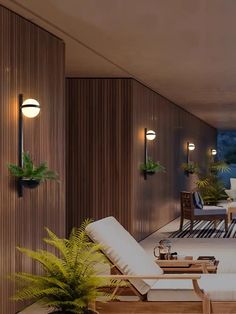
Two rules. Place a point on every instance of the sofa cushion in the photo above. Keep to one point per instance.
(124, 251)
(219, 287)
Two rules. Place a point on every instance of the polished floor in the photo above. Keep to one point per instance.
(222, 249)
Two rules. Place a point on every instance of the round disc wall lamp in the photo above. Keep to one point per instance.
(191, 146)
(213, 152)
(29, 108)
(150, 135)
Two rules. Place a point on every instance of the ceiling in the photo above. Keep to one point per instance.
(183, 49)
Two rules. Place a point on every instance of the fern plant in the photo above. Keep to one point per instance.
(209, 185)
(152, 166)
(190, 167)
(30, 171)
(69, 282)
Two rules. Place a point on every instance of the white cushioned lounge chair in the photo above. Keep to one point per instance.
(160, 293)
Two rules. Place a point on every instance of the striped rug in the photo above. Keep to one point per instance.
(205, 229)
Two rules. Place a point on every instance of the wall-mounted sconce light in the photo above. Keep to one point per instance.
(149, 135)
(189, 167)
(190, 147)
(29, 108)
(213, 152)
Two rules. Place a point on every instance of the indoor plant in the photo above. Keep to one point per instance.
(31, 175)
(151, 167)
(210, 186)
(69, 282)
(190, 168)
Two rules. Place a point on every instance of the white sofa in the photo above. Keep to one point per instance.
(232, 192)
(131, 259)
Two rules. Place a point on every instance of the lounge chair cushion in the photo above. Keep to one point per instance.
(210, 210)
(233, 183)
(124, 251)
(219, 287)
(197, 200)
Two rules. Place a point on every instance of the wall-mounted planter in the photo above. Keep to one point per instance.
(190, 168)
(150, 173)
(151, 167)
(29, 183)
(29, 175)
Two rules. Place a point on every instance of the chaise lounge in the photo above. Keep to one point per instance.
(157, 292)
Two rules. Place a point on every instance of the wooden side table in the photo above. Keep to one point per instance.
(187, 265)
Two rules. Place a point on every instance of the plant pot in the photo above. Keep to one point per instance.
(29, 183)
(150, 172)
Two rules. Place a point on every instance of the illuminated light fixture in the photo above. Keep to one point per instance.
(213, 152)
(30, 108)
(191, 146)
(150, 135)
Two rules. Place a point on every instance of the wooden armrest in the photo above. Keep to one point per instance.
(185, 261)
(167, 276)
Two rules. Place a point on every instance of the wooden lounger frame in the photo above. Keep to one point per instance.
(144, 307)
(205, 306)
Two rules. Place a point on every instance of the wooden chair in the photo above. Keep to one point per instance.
(208, 213)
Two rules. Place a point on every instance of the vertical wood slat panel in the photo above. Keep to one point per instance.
(110, 149)
(156, 201)
(98, 146)
(32, 63)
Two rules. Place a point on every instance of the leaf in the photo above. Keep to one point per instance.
(15, 170)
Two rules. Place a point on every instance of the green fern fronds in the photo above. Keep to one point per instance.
(30, 171)
(70, 279)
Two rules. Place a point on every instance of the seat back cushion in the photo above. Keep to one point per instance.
(124, 251)
(233, 183)
(197, 200)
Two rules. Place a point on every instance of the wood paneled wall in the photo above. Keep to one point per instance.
(106, 121)
(32, 63)
(99, 150)
(156, 201)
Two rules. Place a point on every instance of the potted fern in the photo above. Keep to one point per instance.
(30, 175)
(69, 283)
(190, 168)
(151, 167)
(209, 184)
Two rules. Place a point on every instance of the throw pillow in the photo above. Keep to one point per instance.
(197, 201)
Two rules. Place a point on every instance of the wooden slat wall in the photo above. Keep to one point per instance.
(99, 150)
(32, 63)
(156, 201)
(105, 145)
